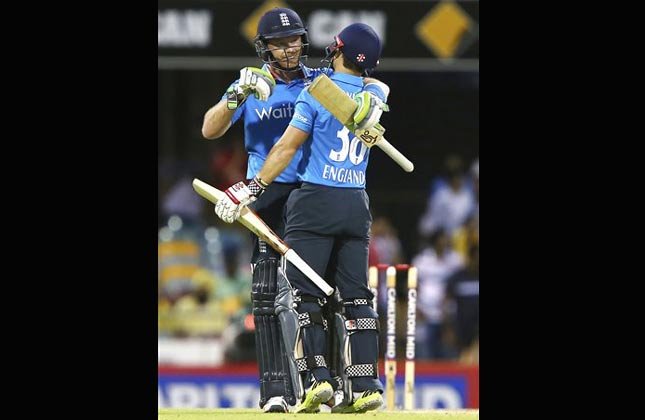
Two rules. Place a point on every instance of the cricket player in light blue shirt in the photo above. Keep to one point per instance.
(264, 98)
(328, 221)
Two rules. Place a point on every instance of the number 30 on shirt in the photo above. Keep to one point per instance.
(348, 148)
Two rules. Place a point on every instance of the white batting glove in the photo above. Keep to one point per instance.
(237, 197)
(369, 110)
(252, 80)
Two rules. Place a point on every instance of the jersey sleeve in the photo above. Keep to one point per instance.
(379, 89)
(240, 109)
(304, 113)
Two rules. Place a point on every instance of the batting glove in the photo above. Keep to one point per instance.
(369, 110)
(252, 80)
(237, 197)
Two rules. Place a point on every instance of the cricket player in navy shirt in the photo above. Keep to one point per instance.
(328, 219)
(265, 99)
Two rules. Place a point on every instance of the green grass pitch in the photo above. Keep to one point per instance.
(252, 414)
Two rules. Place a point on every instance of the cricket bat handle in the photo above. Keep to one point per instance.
(396, 156)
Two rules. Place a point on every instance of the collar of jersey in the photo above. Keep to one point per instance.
(305, 70)
(347, 78)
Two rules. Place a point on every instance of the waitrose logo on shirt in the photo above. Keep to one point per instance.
(282, 112)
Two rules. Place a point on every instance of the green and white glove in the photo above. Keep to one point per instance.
(369, 110)
(252, 80)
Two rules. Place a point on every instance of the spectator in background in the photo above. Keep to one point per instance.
(239, 340)
(232, 289)
(215, 300)
(180, 241)
(386, 241)
(435, 263)
(182, 201)
(372, 254)
(450, 203)
(467, 234)
(474, 173)
(228, 163)
(193, 313)
(201, 283)
(462, 307)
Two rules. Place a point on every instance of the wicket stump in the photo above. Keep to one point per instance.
(390, 349)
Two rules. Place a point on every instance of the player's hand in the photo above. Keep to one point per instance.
(369, 110)
(237, 197)
(252, 80)
(370, 136)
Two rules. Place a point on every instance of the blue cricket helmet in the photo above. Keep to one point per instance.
(279, 22)
(360, 44)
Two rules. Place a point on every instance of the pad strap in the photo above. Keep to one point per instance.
(353, 325)
(357, 302)
(306, 319)
(310, 362)
(368, 369)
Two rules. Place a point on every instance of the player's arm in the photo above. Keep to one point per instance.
(217, 120)
(294, 136)
(375, 86)
(282, 153)
(243, 193)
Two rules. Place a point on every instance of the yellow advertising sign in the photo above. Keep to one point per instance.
(445, 29)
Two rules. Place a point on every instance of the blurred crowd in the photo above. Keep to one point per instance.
(204, 275)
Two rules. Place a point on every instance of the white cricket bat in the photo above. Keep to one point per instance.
(341, 106)
(255, 224)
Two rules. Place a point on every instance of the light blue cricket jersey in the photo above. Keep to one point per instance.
(265, 122)
(331, 155)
